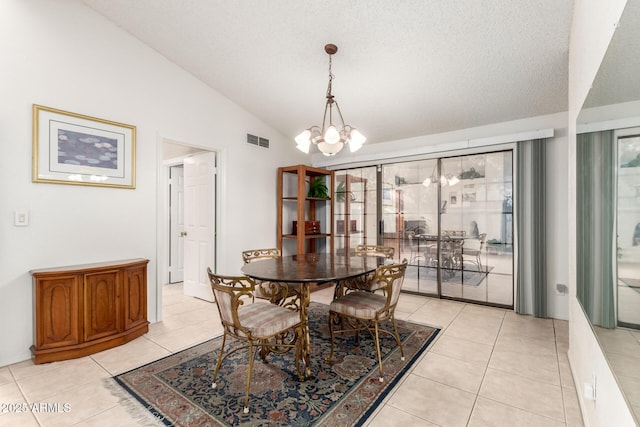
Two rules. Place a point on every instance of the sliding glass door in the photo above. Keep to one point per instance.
(628, 231)
(410, 215)
(451, 218)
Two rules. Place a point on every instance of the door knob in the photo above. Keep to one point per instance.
(183, 233)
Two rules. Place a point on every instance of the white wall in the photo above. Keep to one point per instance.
(592, 29)
(65, 56)
(481, 139)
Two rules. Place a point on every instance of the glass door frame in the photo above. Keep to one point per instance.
(380, 215)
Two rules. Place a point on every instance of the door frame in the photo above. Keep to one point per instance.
(176, 247)
(162, 211)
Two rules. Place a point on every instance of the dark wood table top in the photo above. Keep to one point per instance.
(311, 268)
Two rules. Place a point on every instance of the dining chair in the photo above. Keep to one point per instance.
(366, 282)
(256, 254)
(451, 255)
(414, 247)
(454, 233)
(375, 250)
(275, 292)
(360, 310)
(273, 328)
(473, 247)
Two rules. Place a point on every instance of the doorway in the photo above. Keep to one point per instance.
(189, 240)
(176, 223)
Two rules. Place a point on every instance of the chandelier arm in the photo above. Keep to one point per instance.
(340, 114)
(324, 117)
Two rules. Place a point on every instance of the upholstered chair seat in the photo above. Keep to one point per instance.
(359, 304)
(265, 320)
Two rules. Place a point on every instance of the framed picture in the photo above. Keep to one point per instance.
(387, 196)
(453, 198)
(70, 148)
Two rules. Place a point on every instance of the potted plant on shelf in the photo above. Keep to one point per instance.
(317, 188)
(341, 192)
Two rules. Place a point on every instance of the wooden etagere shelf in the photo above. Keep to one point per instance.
(292, 197)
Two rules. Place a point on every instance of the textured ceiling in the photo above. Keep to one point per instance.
(404, 67)
(618, 79)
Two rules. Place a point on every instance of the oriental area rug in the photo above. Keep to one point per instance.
(176, 390)
(470, 276)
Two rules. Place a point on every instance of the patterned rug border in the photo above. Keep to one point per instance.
(155, 414)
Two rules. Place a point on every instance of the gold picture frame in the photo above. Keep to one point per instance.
(71, 148)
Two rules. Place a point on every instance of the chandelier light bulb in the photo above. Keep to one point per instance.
(427, 182)
(453, 180)
(304, 141)
(356, 139)
(331, 136)
(304, 138)
(304, 147)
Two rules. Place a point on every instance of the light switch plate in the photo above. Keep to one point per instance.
(21, 218)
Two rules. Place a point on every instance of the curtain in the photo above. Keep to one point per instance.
(595, 233)
(531, 266)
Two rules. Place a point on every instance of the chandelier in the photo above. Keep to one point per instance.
(331, 137)
(443, 180)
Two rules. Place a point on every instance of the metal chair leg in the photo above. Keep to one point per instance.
(215, 373)
(397, 337)
(250, 369)
(378, 350)
(331, 317)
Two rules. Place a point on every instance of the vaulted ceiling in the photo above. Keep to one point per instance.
(404, 68)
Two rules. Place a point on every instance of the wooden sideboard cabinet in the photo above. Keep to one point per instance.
(83, 309)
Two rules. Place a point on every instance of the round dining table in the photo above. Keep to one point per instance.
(309, 270)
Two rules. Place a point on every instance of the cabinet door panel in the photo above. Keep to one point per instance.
(135, 297)
(58, 301)
(101, 317)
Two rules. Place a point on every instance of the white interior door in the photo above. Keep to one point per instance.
(199, 197)
(176, 226)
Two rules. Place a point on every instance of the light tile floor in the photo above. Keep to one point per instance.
(488, 367)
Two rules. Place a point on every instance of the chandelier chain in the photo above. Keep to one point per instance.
(329, 95)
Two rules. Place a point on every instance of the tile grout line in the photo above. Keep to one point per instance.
(564, 403)
(484, 375)
(15, 380)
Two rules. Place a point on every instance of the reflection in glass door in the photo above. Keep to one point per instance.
(454, 223)
(355, 209)
(451, 218)
(628, 231)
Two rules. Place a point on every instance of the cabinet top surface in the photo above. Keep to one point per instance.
(91, 266)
